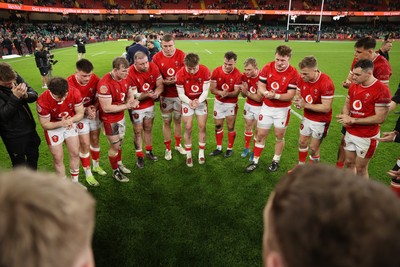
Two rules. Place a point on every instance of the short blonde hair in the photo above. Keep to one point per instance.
(119, 62)
(308, 62)
(250, 61)
(45, 221)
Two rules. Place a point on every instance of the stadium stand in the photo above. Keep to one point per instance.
(333, 5)
(62, 33)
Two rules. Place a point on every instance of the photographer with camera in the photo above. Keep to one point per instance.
(42, 62)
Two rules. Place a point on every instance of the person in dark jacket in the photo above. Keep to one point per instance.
(7, 43)
(393, 136)
(80, 44)
(152, 49)
(17, 45)
(28, 43)
(386, 46)
(42, 62)
(17, 125)
(140, 42)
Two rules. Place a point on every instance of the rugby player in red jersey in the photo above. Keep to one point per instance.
(277, 84)
(169, 61)
(193, 83)
(366, 107)
(145, 79)
(89, 127)
(315, 96)
(364, 48)
(60, 107)
(115, 97)
(225, 84)
(253, 103)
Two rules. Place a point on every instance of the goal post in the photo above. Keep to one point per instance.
(293, 17)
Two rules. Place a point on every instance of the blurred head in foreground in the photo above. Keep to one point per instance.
(321, 216)
(45, 221)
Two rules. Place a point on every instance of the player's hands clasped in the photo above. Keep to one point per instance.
(67, 122)
(345, 119)
(299, 102)
(91, 112)
(194, 103)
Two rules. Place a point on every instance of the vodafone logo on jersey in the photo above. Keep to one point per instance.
(252, 90)
(225, 87)
(274, 86)
(171, 72)
(146, 87)
(357, 105)
(195, 88)
(309, 99)
(86, 100)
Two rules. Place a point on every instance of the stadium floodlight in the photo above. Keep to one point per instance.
(337, 17)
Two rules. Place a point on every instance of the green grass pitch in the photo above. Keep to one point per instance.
(210, 215)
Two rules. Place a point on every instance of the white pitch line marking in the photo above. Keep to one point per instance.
(208, 51)
(296, 114)
(103, 52)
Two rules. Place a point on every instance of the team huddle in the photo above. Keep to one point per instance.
(74, 110)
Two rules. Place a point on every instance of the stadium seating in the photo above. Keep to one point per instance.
(340, 5)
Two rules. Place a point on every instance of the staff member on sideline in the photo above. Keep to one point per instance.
(42, 63)
(80, 44)
(17, 125)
